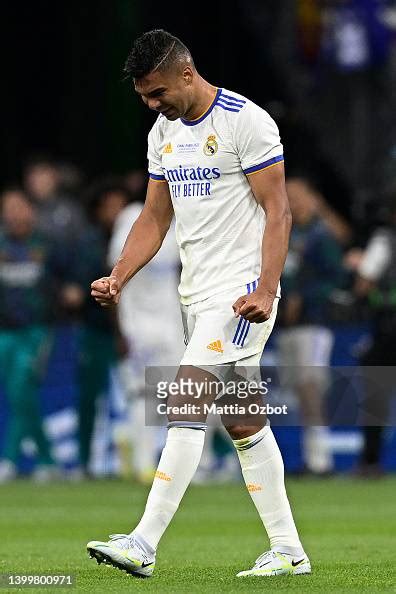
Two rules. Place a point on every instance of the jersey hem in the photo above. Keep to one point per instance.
(237, 356)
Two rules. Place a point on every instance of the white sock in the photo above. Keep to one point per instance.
(262, 469)
(179, 461)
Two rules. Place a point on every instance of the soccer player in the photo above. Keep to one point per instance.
(216, 162)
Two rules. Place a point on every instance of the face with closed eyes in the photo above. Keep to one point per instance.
(169, 92)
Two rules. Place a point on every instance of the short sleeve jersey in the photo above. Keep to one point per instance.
(206, 163)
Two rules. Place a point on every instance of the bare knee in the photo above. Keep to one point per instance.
(242, 431)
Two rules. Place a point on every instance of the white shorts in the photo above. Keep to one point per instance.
(214, 336)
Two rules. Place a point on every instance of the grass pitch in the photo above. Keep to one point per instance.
(348, 528)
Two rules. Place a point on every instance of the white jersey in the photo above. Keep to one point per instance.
(219, 225)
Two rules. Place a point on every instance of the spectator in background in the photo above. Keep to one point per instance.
(354, 68)
(376, 283)
(30, 276)
(100, 340)
(312, 270)
(70, 177)
(152, 339)
(136, 182)
(58, 215)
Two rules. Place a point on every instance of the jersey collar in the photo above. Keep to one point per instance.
(205, 114)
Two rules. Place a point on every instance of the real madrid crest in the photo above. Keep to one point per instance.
(210, 146)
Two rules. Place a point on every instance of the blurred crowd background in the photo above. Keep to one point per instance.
(73, 178)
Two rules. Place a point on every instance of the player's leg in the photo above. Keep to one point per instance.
(180, 457)
(314, 347)
(29, 358)
(13, 429)
(262, 468)
(96, 354)
(378, 366)
(304, 357)
(39, 344)
(263, 471)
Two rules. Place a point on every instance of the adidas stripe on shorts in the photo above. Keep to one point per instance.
(214, 336)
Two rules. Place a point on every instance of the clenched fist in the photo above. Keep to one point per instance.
(106, 291)
(255, 307)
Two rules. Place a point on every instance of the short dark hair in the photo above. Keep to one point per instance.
(40, 159)
(98, 190)
(155, 49)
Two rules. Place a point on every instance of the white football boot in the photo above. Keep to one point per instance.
(274, 563)
(124, 552)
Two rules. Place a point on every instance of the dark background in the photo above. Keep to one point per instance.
(62, 90)
(63, 70)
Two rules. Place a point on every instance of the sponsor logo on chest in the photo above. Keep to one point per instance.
(190, 179)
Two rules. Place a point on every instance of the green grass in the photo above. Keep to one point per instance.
(348, 528)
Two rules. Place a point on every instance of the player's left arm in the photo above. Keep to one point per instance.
(268, 187)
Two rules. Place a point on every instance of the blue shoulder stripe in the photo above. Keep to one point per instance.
(228, 108)
(233, 98)
(231, 103)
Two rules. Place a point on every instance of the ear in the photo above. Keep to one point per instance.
(188, 75)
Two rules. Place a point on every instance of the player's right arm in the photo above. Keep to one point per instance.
(143, 242)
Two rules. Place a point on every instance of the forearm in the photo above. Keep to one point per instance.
(143, 242)
(274, 250)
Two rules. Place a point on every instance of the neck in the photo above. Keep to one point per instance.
(204, 94)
